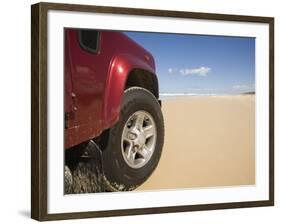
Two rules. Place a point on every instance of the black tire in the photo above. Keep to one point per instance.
(118, 175)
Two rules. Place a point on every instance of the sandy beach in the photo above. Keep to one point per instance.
(209, 142)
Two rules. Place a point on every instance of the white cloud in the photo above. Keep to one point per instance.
(201, 71)
(243, 87)
(170, 70)
(182, 71)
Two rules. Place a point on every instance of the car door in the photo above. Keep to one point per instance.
(90, 59)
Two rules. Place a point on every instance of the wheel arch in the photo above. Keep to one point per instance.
(125, 71)
(143, 78)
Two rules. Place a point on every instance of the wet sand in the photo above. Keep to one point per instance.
(209, 142)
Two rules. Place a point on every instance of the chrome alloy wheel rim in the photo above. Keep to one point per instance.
(138, 139)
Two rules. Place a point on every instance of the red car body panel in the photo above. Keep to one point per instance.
(95, 82)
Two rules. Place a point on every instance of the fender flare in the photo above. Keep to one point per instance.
(120, 68)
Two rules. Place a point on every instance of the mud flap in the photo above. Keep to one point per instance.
(93, 151)
(85, 172)
(87, 175)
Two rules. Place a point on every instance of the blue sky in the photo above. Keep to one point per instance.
(201, 64)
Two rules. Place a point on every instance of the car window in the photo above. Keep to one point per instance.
(89, 40)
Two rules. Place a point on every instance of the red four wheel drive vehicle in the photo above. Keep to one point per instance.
(111, 97)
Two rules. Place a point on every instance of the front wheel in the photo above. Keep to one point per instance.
(135, 142)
